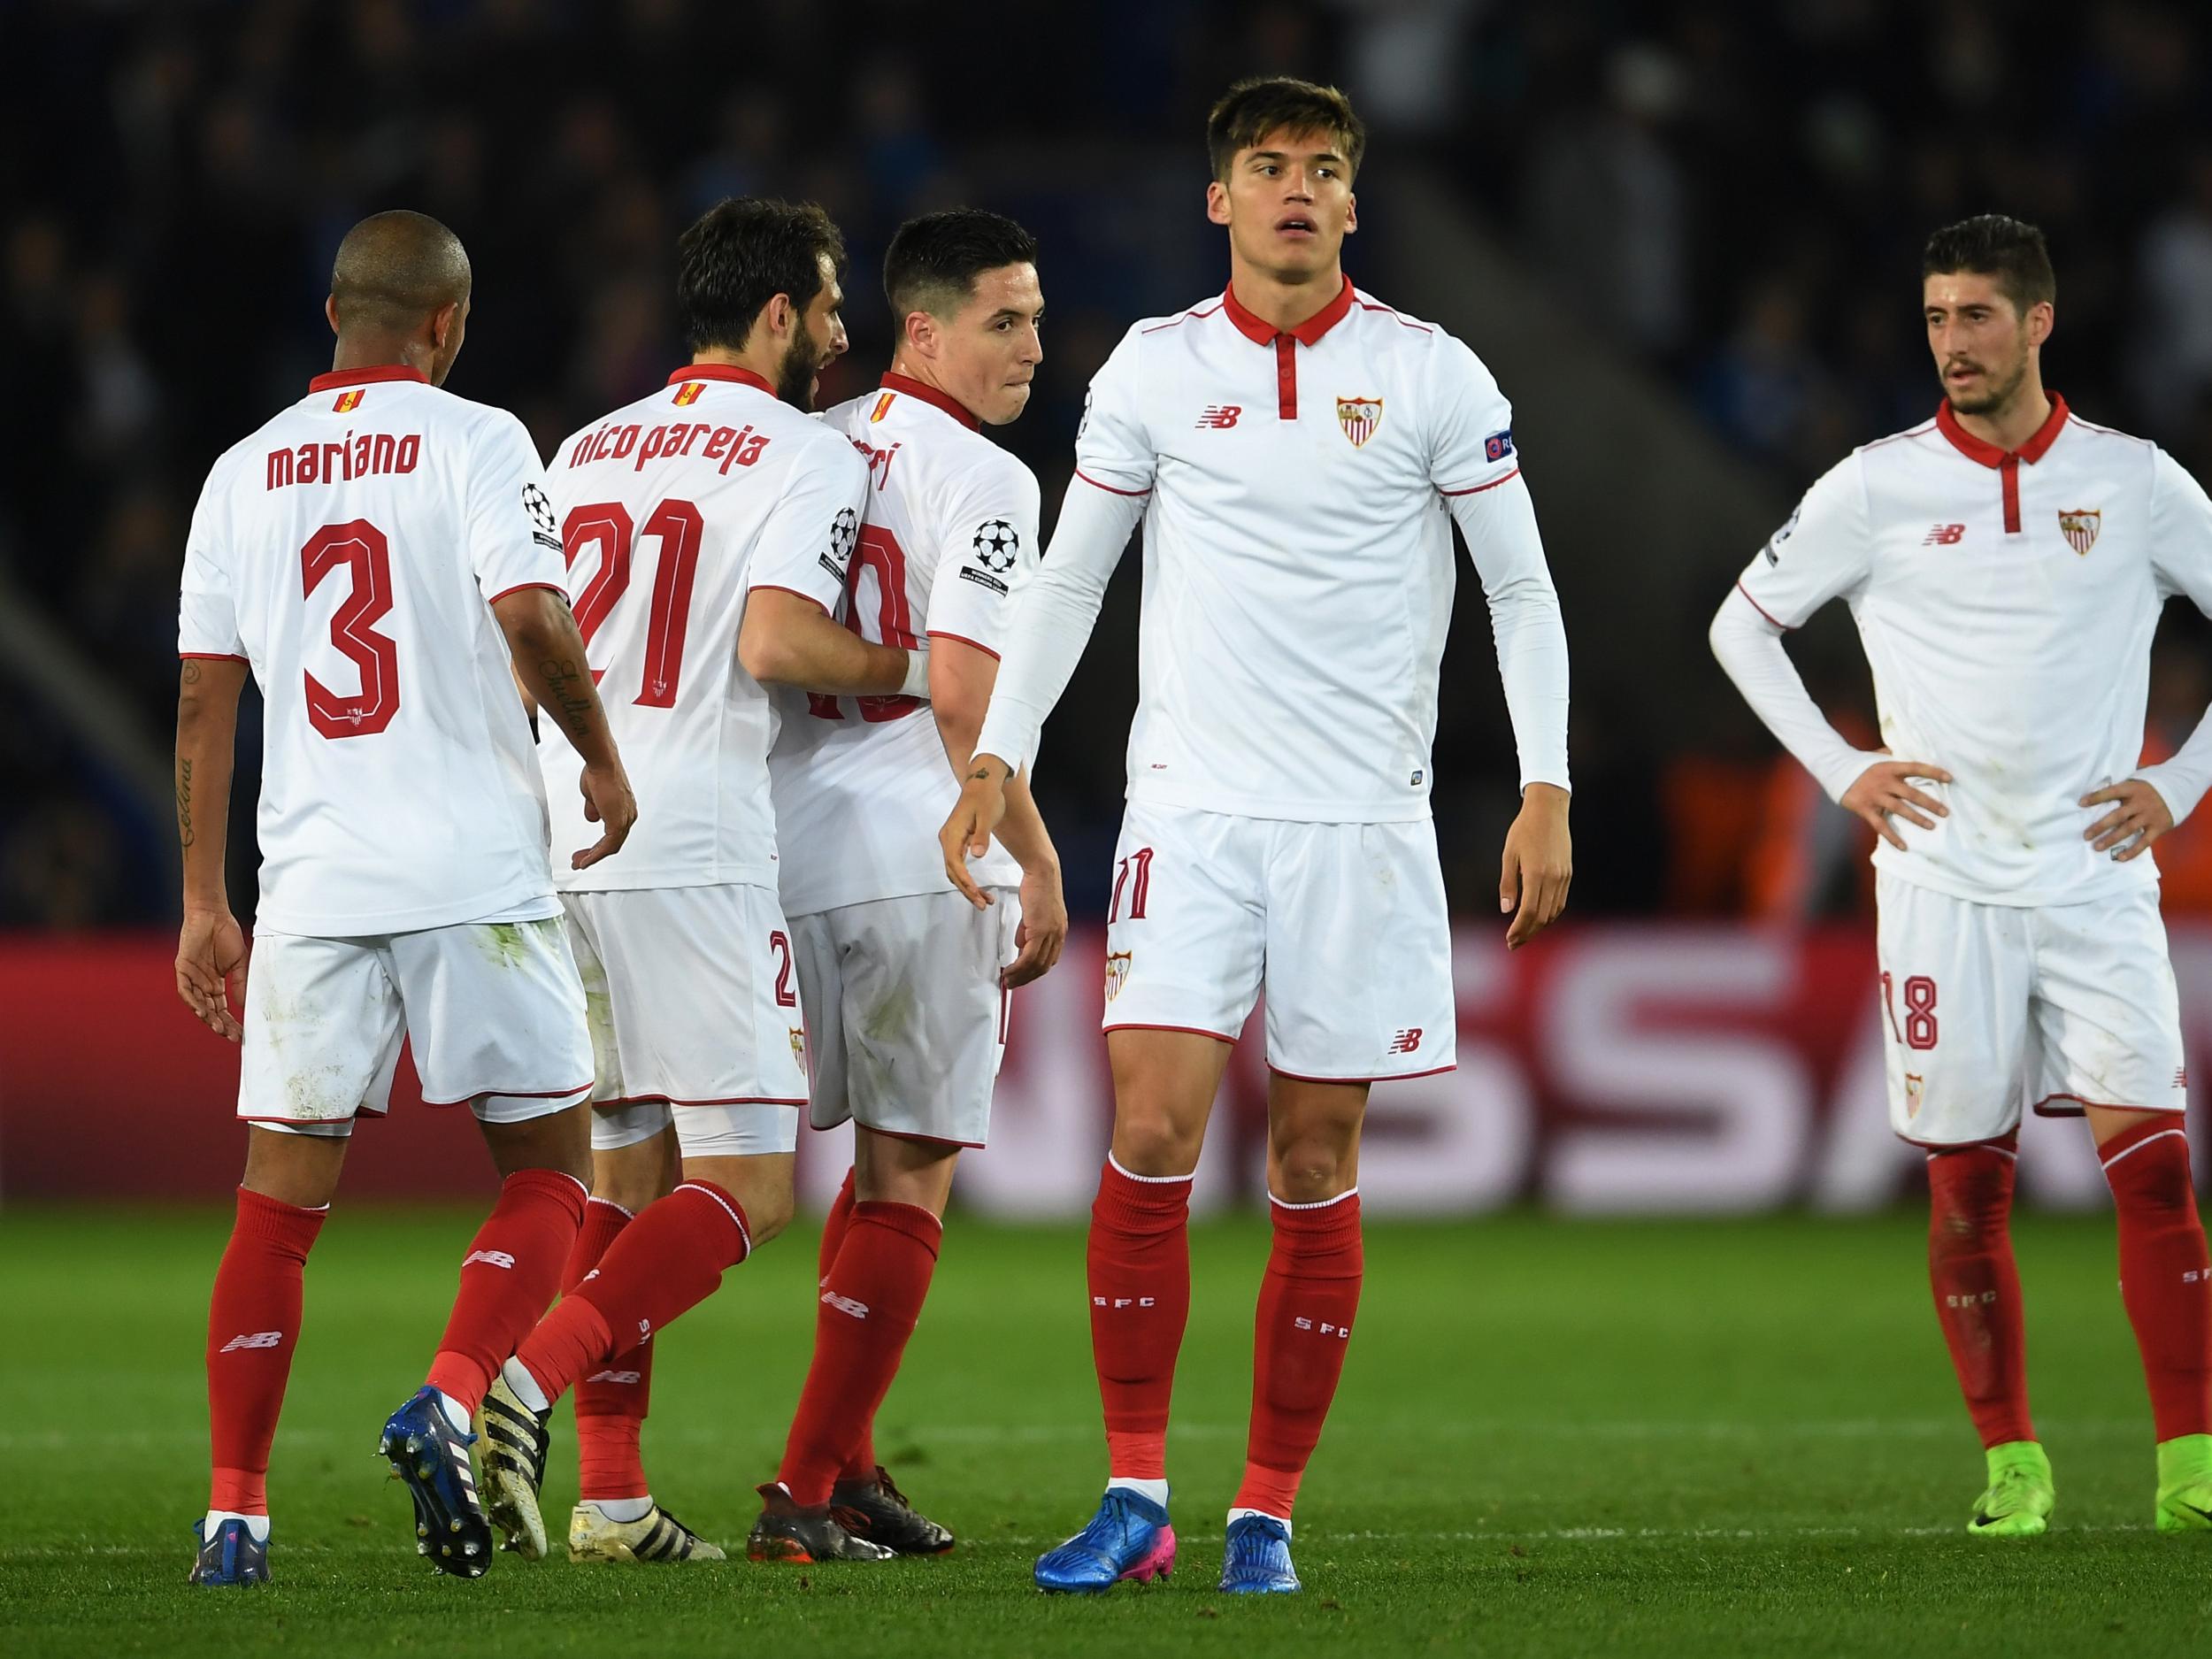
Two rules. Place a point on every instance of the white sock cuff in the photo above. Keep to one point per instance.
(1149, 1180)
(1322, 1203)
(1154, 1490)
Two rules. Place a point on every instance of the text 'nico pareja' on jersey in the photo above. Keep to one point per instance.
(949, 532)
(2006, 602)
(671, 511)
(1298, 567)
(349, 551)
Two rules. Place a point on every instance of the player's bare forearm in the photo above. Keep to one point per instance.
(548, 654)
(208, 689)
(788, 639)
(961, 679)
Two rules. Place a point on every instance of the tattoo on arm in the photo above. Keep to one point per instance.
(184, 803)
(570, 693)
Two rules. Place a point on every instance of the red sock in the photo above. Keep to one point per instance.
(1304, 1325)
(670, 1258)
(1976, 1286)
(512, 1268)
(869, 1305)
(2163, 1272)
(860, 1460)
(612, 1402)
(253, 1324)
(1139, 1269)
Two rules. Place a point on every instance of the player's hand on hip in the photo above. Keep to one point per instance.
(211, 970)
(1885, 788)
(1538, 866)
(608, 802)
(2140, 816)
(1043, 932)
(967, 833)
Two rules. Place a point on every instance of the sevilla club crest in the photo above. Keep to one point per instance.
(1913, 1089)
(2080, 527)
(1359, 417)
(1116, 972)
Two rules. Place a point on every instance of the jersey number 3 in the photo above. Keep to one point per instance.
(359, 548)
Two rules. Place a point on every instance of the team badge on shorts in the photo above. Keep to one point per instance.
(798, 1045)
(2080, 527)
(1116, 972)
(1359, 417)
(1913, 1084)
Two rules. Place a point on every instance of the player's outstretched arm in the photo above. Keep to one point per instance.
(548, 654)
(787, 639)
(210, 947)
(961, 676)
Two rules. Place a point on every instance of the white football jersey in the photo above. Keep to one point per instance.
(671, 511)
(863, 784)
(1298, 562)
(349, 551)
(2007, 603)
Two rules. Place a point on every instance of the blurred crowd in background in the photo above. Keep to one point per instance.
(1732, 195)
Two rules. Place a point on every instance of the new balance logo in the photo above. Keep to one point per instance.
(1944, 536)
(1126, 1302)
(845, 1305)
(1407, 1041)
(1341, 1333)
(1971, 1299)
(614, 1376)
(252, 1338)
(1220, 416)
(490, 1258)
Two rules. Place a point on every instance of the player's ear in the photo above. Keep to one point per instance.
(1217, 202)
(921, 333)
(1351, 214)
(2042, 317)
(441, 322)
(330, 310)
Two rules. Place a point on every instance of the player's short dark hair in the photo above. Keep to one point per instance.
(1253, 108)
(739, 254)
(396, 268)
(1992, 245)
(935, 260)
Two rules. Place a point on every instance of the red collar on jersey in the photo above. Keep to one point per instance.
(720, 372)
(338, 378)
(952, 405)
(1988, 454)
(1261, 331)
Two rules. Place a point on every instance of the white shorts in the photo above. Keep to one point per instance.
(1343, 924)
(494, 1009)
(910, 1018)
(1987, 1007)
(693, 995)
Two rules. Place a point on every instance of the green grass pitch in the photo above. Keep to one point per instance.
(1553, 1438)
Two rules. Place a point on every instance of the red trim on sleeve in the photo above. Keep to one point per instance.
(210, 657)
(1760, 609)
(1109, 488)
(1476, 489)
(778, 587)
(551, 588)
(931, 395)
(720, 372)
(337, 378)
(938, 633)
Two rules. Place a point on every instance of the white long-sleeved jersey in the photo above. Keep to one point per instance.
(1298, 568)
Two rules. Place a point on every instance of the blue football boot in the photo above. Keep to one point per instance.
(234, 1556)
(1256, 1558)
(427, 1453)
(1129, 1538)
